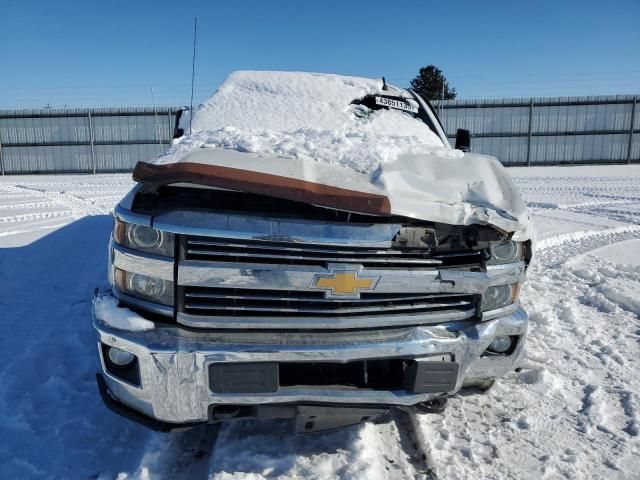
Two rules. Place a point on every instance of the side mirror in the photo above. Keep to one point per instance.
(463, 140)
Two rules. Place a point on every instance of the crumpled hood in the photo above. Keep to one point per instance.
(472, 189)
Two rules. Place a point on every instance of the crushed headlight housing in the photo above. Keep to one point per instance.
(505, 251)
(143, 238)
(148, 288)
(500, 296)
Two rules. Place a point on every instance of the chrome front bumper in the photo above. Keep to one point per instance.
(174, 362)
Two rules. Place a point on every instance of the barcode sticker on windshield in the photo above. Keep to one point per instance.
(399, 104)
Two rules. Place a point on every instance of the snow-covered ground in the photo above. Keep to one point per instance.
(572, 412)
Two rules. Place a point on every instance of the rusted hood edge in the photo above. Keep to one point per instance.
(231, 178)
(474, 189)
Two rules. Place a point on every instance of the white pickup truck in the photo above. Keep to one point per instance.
(313, 249)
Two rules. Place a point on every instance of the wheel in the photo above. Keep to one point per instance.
(479, 384)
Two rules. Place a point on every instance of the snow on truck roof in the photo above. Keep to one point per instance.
(308, 116)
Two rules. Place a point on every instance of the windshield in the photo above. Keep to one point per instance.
(407, 106)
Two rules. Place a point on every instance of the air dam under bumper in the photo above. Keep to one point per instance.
(175, 363)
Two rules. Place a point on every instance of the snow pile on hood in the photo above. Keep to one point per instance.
(306, 116)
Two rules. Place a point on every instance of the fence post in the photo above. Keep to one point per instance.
(93, 154)
(530, 130)
(1, 159)
(170, 127)
(633, 121)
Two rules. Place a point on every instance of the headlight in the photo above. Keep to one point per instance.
(143, 238)
(500, 296)
(147, 288)
(505, 251)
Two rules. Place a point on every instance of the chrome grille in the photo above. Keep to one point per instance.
(235, 283)
(209, 301)
(272, 252)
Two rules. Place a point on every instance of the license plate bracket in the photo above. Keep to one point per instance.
(248, 377)
(431, 377)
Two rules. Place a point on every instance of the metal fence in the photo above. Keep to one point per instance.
(82, 140)
(548, 131)
(530, 131)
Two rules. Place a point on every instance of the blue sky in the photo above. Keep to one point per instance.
(113, 52)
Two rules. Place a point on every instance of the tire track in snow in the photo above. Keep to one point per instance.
(578, 205)
(55, 203)
(270, 449)
(414, 445)
(79, 206)
(31, 229)
(33, 222)
(22, 217)
(33, 205)
(181, 455)
(556, 250)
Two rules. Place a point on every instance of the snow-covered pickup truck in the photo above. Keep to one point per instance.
(312, 248)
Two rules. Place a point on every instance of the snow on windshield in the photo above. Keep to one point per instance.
(305, 115)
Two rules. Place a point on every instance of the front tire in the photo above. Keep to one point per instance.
(486, 385)
(482, 384)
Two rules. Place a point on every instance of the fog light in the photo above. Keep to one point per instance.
(501, 344)
(119, 357)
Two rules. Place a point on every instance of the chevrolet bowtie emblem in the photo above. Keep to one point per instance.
(344, 283)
